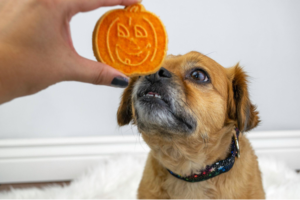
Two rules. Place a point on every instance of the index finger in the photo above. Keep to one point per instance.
(88, 5)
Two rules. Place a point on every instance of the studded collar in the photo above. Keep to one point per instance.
(218, 167)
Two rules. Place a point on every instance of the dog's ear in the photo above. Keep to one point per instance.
(124, 114)
(240, 107)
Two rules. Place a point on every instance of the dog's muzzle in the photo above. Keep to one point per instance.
(159, 104)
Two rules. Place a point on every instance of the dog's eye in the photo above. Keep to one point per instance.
(199, 76)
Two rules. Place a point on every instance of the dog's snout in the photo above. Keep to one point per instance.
(162, 73)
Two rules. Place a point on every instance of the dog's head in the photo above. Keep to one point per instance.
(190, 95)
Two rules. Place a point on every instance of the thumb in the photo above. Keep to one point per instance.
(98, 73)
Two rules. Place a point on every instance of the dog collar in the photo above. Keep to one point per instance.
(217, 168)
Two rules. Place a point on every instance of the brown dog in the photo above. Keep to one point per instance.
(187, 113)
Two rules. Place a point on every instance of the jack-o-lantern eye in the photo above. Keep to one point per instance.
(140, 32)
(122, 31)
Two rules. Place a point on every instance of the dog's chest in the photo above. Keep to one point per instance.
(179, 189)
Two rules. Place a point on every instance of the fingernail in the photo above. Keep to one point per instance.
(120, 81)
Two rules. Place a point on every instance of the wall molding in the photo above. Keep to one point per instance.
(54, 159)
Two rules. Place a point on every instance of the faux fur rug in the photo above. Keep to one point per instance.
(279, 181)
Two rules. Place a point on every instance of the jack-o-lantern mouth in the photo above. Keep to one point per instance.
(138, 51)
(127, 60)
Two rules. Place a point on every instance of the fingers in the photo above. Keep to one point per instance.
(90, 71)
(98, 73)
(88, 5)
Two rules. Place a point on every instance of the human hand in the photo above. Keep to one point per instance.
(36, 48)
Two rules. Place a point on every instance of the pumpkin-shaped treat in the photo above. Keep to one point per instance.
(132, 40)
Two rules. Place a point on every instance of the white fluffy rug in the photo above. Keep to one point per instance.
(98, 182)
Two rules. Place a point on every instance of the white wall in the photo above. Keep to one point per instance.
(262, 34)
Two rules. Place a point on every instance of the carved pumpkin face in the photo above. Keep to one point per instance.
(131, 40)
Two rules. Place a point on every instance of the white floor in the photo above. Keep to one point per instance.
(118, 177)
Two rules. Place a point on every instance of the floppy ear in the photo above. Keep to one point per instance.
(240, 107)
(124, 114)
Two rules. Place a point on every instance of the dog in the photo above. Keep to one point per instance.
(190, 113)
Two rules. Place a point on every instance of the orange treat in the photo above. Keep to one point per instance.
(132, 40)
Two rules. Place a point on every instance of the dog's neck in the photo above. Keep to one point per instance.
(217, 168)
(192, 154)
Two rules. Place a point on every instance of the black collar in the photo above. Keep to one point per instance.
(217, 168)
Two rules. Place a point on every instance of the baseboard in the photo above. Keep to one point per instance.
(55, 159)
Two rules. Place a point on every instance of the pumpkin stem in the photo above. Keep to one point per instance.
(135, 8)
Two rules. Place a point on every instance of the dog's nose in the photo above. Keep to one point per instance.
(162, 73)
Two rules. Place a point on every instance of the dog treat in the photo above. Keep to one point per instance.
(132, 40)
